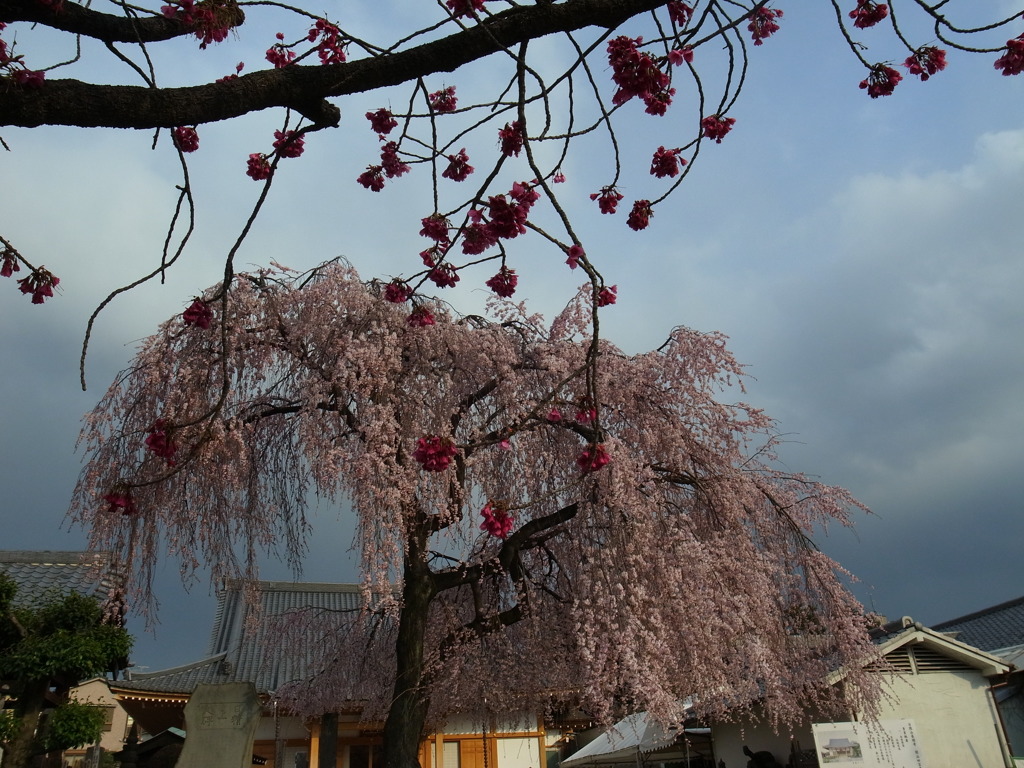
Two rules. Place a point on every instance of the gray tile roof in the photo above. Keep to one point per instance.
(992, 629)
(42, 574)
(246, 651)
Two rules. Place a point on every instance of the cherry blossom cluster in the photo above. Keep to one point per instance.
(608, 199)
(160, 443)
(198, 314)
(636, 73)
(764, 23)
(286, 144)
(39, 284)
(680, 13)
(881, 81)
(12, 66)
(209, 20)
(331, 46)
(120, 501)
(593, 458)
(716, 127)
(497, 520)
(640, 216)
(460, 8)
(421, 317)
(279, 54)
(444, 100)
(458, 166)
(435, 453)
(666, 162)
(185, 138)
(504, 283)
(1012, 62)
(511, 137)
(926, 61)
(382, 121)
(868, 13)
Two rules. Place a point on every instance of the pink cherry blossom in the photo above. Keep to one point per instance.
(575, 253)
(868, 13)
(397, 292)
(666, 162)
(593, 458)
(120, 501)
(460, 8)
(554, 416)
(926, 61)
(289, 143)
(280, 56)
(508, 219)
(444, 276)
(679, 56)
(420, 317)
(477, 238)
(435, 453)
(607, 296)
(39, 284)
(443, 100)
(258, 167)
(640, 216)
(435, 226)
(185, 138)
(10, 264)
(1012, 62)
(636, 73)
(198, 314)
(607, 199)
(679, 12)
(497, 520)
(372, 178)
(29, 79)
(511, 139)
(504, 282)
(881, 81)
(716, 127)
(458, 166)
(763, 23)
(382, 121)
(160, 443)
(390, 161)
(331, 46)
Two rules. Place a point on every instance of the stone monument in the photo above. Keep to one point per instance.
(220, 722)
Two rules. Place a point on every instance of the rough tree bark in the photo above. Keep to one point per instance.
(89, 105)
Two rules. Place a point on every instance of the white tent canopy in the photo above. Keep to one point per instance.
(635, 739)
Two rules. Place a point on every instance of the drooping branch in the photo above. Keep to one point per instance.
(90, 105)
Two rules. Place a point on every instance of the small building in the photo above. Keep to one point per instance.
(999, 630)
(96, 692)
(245, 650)
(940, 711)
(40, 575)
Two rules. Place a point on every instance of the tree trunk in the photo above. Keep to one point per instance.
(22, 748)
(403, 728)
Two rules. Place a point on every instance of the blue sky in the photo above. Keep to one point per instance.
(863, 255)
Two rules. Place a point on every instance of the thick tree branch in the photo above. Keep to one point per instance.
(88, 105)
(105, 27)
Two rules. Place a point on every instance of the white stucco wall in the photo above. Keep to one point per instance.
(953, 714)
(518, 753)
(954, 717)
